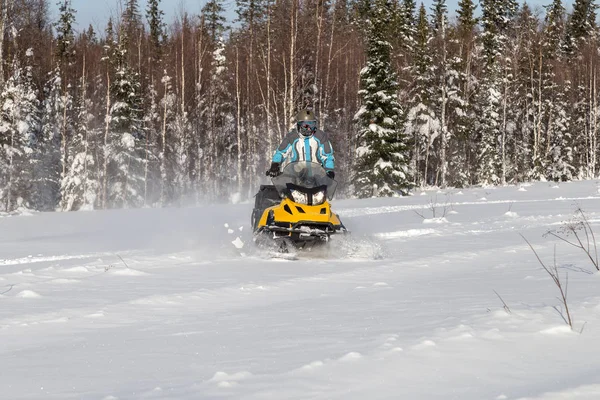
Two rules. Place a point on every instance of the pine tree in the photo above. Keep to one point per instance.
(250, 12)
(466, 16)
(79, 187)
(19, 125)
(560, 158)
(65, 38)
(422, 122)
(402, 33)
(50, 157)
(131, 31)
(165, 146)
(381, 155)
(213, 13)
(132, 19)
(581, 25)
(220, 120)
(525, 141)
(463, 147)
(554, 26)
(446, 85)
(555, 98)
(65, 52)
(154, 15)
(409, 28)
(126, 138)
(497, 16)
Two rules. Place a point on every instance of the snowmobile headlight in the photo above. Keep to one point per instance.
(299, 197)
(318, 198)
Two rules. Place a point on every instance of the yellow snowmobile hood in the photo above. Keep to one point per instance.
(290, 212)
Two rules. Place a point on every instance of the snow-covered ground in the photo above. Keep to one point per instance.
(159, 304)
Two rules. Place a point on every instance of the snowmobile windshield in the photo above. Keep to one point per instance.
(304, 175)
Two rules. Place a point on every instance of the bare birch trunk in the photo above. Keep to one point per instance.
(292, 62)
(201, 51)
(106, 135)
(182, 132)
(182, 71)
(444, 138)
(594, 133)
(325, 92)
(163, 150)
(590, 156)
(85, 139)
(10, 171)
(250, 118)
(238, 120)
(320, 6)
(425, 182)
(63, 134)
(268, 78)
(503, 148)
(538, 127)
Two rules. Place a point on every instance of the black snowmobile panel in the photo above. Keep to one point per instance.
(266, 197)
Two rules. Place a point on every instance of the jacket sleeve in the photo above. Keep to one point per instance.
(326, 153)
(283, 150)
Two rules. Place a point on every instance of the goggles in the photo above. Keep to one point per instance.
(307, 128)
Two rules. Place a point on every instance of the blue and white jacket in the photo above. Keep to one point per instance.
(315, 148)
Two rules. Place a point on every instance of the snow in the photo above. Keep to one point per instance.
(162, 304)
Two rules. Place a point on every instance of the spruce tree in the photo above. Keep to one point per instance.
(381, 155)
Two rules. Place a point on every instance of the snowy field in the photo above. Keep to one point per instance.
(158, 304)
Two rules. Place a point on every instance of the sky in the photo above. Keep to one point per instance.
(97, 12)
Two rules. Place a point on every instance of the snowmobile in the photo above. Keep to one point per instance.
(294, 210)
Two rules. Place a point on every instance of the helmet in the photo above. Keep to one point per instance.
(306, 123)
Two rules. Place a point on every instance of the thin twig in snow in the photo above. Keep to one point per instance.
(506, 307)
(121, 258)
(9, 289)
(554, 274)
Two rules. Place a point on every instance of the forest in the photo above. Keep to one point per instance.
(156, 113)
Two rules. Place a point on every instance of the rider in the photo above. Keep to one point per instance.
(304, 143)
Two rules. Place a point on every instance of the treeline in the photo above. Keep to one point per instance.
(155, 113)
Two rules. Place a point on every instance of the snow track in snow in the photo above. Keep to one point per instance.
(356, 212)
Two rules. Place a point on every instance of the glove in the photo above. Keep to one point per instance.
(331, 174)
(274, 170)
